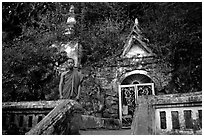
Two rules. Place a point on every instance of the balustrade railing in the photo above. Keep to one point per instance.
(169, 114)
(40, 117)
(161, 114)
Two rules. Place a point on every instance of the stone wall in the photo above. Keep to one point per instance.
(168, 114)
(108, 78)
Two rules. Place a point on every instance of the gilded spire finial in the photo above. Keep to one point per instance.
(71, 21)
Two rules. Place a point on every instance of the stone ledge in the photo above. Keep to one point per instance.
(30, 104)
(189, 98)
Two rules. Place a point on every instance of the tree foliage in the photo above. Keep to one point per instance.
(29, 30)
(176, 37)
(28, 59)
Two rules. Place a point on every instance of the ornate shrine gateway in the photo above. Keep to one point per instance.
(136, 82)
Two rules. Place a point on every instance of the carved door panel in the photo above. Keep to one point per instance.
(128, 95)
(127, 104)
(145, 89)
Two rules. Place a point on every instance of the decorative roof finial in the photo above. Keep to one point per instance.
(136, 28)
(71, 10)
(136, 22)
(71, 21)
(138, 32)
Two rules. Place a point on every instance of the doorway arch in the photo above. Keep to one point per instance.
(136, 77)
(133, 84)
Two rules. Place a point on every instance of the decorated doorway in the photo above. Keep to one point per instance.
(128, 96)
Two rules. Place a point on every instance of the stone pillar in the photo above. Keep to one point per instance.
(143, 118)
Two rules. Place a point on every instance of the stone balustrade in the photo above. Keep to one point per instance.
(39, 116)
(64, 119)
(168, 114)
(161, 114)
(19, 117)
